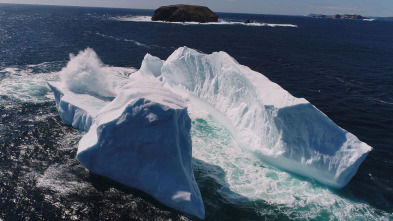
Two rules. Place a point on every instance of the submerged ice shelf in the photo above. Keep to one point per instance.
(148, 120)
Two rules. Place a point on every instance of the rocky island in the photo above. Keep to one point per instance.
(338, 16)
(184, 13)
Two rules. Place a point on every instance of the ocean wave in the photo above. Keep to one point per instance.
(357, 88)
(380, 101)
(137, 43)
(220, 22)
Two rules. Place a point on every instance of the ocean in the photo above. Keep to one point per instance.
(343, 67)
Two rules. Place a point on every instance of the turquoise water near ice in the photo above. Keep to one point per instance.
(246, 176)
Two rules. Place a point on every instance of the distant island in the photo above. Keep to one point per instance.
(184, 13)
(385, 18)
(338, 16)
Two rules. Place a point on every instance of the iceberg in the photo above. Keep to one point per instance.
(139, 133)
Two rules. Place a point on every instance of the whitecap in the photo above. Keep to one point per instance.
(137, 43)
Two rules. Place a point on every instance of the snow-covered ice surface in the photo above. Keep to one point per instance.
(258, 116)
(77, 110)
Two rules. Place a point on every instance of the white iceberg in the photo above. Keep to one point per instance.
(285, 131)
(142, 137)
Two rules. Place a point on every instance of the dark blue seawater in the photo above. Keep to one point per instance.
(343, 67)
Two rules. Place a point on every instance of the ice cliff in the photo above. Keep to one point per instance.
(141, 138)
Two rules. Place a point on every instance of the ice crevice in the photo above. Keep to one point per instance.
(139, 134)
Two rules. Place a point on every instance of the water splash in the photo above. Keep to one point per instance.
(84, 74)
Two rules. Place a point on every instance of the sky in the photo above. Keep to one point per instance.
(279, 7)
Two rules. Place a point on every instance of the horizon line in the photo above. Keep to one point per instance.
(89, 6)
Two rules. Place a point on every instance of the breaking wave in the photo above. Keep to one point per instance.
(28, 83)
